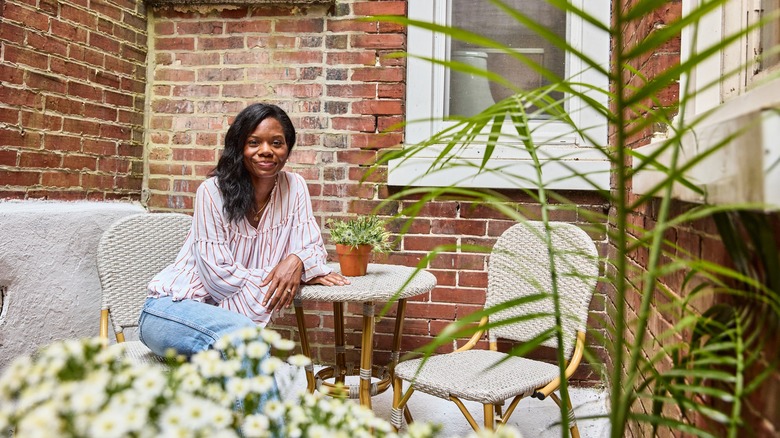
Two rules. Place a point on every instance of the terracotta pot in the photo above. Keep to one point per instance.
(353, 260)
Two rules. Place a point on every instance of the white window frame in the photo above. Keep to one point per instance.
(746, 170)
(562, 152)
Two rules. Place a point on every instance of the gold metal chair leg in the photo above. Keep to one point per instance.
(366, 354)
(399, 328)
(489, 416)
(104, 323)
(387, 380)
(466, 413)
(408, 415)
(395, 419)
(338, 325)
(400, 400)
(575, 431)
(304, 344)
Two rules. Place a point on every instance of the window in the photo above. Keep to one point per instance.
(434, 93)
(469, 95)
(770, 37)
(734, 93)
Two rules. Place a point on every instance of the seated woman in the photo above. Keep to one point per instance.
(253, 241)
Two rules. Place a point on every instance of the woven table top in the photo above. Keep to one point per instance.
(381, 283)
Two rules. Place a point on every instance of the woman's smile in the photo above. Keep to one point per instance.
(265, 164)
(265, 150)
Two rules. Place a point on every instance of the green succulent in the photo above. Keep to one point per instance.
(362, 230)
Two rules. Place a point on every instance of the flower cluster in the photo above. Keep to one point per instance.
(80, 388)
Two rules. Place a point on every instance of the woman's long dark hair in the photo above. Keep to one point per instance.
(233, 179)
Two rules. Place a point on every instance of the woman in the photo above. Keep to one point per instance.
(253, 241)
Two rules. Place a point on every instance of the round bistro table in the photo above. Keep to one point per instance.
(381, 284)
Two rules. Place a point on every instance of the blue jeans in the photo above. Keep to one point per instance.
(186, 326)
(189, 327)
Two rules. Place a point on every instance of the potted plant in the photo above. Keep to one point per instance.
(355, 239)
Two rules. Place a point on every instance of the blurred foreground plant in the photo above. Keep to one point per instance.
(79, 388)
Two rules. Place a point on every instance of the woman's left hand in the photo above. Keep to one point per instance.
(283, 282)
(332, 279)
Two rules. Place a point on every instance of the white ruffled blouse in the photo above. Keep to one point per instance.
(223, 263)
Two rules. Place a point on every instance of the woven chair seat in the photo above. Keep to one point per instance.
(137, 353)
(477, 375)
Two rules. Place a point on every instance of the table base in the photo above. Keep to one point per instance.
(367, 371)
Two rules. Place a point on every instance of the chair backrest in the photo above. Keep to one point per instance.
(132, 251)
(520, 267)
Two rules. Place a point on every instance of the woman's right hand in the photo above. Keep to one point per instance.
(332, 279)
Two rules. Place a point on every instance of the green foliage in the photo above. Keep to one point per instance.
(81, 388)
(362, 230)
(711, 360)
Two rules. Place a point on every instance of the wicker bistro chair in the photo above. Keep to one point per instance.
(519, 268)
(132, 251)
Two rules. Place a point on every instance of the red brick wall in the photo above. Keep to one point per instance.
(72, 83)
(74, 77)
(692, 241)
(327, 69)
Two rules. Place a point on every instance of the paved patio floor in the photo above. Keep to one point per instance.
(533, 418)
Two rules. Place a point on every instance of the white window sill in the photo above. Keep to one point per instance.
(746, 170)
(565, 168)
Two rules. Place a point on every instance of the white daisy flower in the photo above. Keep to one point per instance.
(261, 384)
(274, 409)
(284, 344)
(135, 417)
(247, 333)
(223, 433)
(230, 368)
(74, 347)
(256, 426)
(40, 422)
(221, 418)
(270, 365)
(270, 336)
(109, 423)
(172, 420)
(13, 376)
(175, 432)
(238, 351)
(88, 398)
(325, 405)
(150, 384)
(318, 431)
(297, 414)
(208, 363)
(196, 411)
(238, 387)
(256, 350)
(298, 360)
(221, 344)
(419, 430)
(191, 383)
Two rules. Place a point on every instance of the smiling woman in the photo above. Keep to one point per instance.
(253, 241)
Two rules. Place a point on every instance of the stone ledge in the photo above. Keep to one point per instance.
(48, 265)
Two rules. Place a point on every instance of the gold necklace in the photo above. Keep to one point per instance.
(260, 210)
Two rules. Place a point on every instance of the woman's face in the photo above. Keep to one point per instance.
(265, 150)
